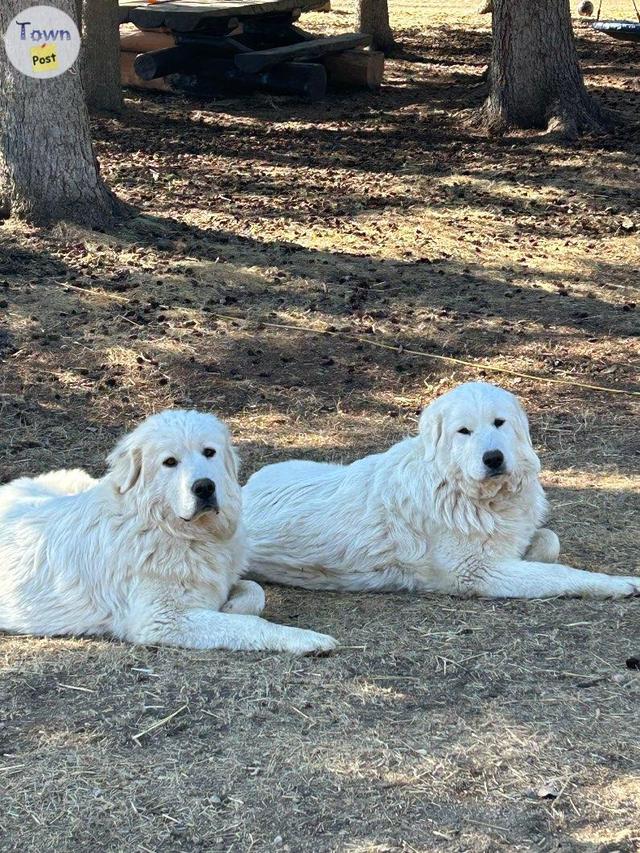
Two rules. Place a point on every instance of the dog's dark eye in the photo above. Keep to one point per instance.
(498, 422)
(171, 462)
(464, 431)
(208, 452)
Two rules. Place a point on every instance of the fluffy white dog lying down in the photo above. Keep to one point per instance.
(151, 553)
(456, 509)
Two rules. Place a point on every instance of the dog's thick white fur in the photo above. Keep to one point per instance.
(151, 553)
(456, 509)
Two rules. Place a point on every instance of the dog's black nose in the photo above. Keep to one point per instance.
(203, 488)
(493, 459)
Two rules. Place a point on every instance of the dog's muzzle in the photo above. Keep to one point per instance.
(205, 492)
(493, 461)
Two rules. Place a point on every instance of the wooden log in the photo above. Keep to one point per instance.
(259, 60)
(220, 77)
(130, 78)
(355, 68)
(301, 79)
(179, 59)
(143, 41)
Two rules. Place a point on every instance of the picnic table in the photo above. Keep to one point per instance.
(192, 15)
(208, 47)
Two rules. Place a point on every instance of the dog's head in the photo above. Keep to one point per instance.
(478, 435)
(182, 470)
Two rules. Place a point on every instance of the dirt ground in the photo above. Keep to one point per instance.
(439, 724)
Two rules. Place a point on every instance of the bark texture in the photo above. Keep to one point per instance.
(48, 170)
(101, 56)
(535, 79)
(373, 18)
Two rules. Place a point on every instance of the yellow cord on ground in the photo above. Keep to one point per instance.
(431, 355)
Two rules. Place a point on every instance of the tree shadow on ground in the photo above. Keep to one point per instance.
(447, 284)
(161, 343)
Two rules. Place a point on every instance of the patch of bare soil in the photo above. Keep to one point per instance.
(440, 724)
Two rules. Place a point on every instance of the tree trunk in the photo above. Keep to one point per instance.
(48, 170)
(373, 18)
(535, 79)
(101, 56)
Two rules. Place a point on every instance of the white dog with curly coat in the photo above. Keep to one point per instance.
(151, 553)
(456, 509)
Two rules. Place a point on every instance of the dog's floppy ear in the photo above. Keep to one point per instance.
(125, 462)
(430, 426)
(521, 429)
(231, 505)
(231, 459)
(522, 425)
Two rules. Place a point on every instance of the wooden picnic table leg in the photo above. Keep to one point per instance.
(301, 79)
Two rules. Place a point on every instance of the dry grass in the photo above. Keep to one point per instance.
(458, 726)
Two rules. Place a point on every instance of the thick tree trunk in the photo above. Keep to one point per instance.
(535, 79)
(48, 170)
(373, 18)
(101, 56)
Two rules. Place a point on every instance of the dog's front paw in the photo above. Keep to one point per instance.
(311, 643)
(246, 597)
(633, 586)
(544, 547)
(621, 587)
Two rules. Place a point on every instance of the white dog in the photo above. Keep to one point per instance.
(151, 553)
(456, 509)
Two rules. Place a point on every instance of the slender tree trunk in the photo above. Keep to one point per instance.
(101, 56)
(535, 79)
(48, 170)
(373, 18)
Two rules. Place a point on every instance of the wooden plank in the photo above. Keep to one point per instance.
(355, 68)
(179, 21)
(188, 15)
(144, 40)
(258, 60)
